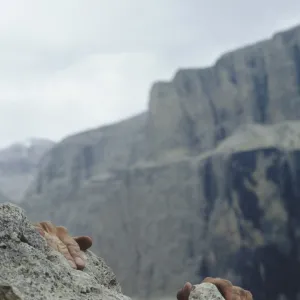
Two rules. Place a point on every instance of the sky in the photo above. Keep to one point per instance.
(71, 65)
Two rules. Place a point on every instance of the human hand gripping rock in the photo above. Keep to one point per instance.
(29, 271)
(72, 248)
(225, 287)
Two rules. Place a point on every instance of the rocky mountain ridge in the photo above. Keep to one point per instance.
(203, 183)
(18, 165)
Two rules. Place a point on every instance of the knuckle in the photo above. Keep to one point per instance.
(249, 295)
(236, 289)
(74, 250)
(47, 226)
(224, 282)
(73, 246)
(61, 230)
(243, 294)
(62, 248)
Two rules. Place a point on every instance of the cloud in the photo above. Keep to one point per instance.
(70, 65)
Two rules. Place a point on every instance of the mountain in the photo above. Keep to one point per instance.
(205, 182)
(18, 165)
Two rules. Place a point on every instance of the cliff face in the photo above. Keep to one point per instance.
(200, 107)
(18, 165)
(203, 183)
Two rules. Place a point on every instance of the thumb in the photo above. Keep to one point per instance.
(184, 293)
(84, 242)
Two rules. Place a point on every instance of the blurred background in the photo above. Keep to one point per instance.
(167, 130)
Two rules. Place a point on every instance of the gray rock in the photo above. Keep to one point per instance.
(31, 270)
(205, 291)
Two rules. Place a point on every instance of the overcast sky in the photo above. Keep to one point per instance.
(69, 65)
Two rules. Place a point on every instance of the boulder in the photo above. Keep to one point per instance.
(30, 269)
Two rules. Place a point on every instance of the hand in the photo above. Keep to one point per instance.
(59, 239)
(225, 287)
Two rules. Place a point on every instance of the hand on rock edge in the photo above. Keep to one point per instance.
(225, 287)
(71, 248)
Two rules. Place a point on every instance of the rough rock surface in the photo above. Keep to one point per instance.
(31, 270)
(205, 183)
(205, 291)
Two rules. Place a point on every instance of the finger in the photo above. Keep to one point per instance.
(55, 243)
(84, 242)
(40, 230)
(237, 293)
(184, 293)
(64, 250)
(180, 294)
(187, 290)
(46, 227)
(224, 286)
(72, 246)
(249, 295)
(51, 240)
(240, 294)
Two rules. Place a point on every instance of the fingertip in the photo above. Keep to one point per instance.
(48, 227)
(84, 242)
(183, 294)
(249, 295)
(41, 231)
(187, 290)
(188, 284)
(79, 263)
(72, 264)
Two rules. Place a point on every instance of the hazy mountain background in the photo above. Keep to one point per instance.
(205, 182)
(18, 166)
